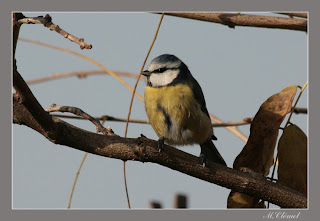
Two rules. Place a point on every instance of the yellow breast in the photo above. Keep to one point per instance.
(175, 115)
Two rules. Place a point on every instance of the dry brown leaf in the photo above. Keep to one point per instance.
(292, 156)
(258, 153)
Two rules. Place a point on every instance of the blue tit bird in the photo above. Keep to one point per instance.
(176, 108)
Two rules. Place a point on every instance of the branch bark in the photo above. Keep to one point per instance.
(237, 19)
(16, 29)
(145, 150)
(300, 110)
(296, 14)
(83, 115)
(47, 22)
(28, 112)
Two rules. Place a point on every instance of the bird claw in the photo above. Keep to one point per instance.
(203, 160)
(160, 144)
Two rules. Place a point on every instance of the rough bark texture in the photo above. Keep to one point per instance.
(145, 150)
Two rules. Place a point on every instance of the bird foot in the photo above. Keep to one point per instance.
(160, 143)
(203, 160)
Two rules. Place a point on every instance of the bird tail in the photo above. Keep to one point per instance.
(210, 152)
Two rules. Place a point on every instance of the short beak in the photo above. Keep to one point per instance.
(146, 73)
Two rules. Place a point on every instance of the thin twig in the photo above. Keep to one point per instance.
(232, 129)
(125, 184)
(131, 102)
(84, 57)
(79, 112)
(76, 179)
(100, 128)
(102, 118)
(47, 22)
(300, 110)
(144, 63)
(116, 119)
(81, 74)
(231, 124)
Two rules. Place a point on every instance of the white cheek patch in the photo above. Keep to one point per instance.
(163, 79)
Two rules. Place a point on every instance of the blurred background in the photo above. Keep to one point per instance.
(238, 69)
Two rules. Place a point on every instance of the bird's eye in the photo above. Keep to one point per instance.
(160, 70)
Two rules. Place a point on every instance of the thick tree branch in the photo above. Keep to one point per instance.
(38, 119)
(16, 29)
(296, 14)
(237, 19)
(145, 150)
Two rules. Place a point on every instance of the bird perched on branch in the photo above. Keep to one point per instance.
(176, 108)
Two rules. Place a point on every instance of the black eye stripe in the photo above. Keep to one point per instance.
(160, 70)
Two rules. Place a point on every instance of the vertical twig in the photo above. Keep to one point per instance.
(76, 179)
(130, 107)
